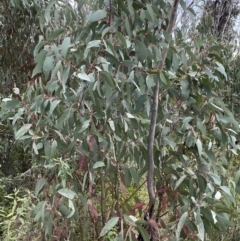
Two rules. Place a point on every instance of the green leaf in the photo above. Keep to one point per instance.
(94, 43)
(39, 211)
(65, 46)
(129, 63)
(38, 46)
(71, 205)
(175, 62)
(55, 34)
(108, 226)
(80, 4)
(237, 176)
(144, 233)
(12, 104)
(221, 69)
(180, 180)
(128, 28)
(17, 115)
(48, 65)
(167, 36)
(150, 82)
(67, 193)
(122, 39)
(65, 211)
(56, 68)
(135, 176)
(84, 126)
(98, 164)
(199, 146)
(40, 184)
(111, 124)
(200, 226)
(35, 148)
(183, 5)
(185, 89)
(201, 127)
(163, 79)
(53, 149)
(96, 16)
(180, 225)
(40, 57)
(24, 129)
(216, 178)
(108, 78)
(184, 59)
(150, 11)
(83, 76)
(53, 105)
(127, 177)
(226, 190)
(130, 219)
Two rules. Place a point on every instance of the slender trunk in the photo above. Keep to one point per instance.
(150, 181)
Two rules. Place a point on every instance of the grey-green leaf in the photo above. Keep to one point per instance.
(22, 131)
(108, 226)
(98, 164)
(67, 193)
(40, 184)
(55, 34)
(199, 146)
(65, 46)
(180, 225)
(99, 14)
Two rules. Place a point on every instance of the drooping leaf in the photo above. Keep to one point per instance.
(98, 15)
(108, 226)
(40, 58)
(65, 46)
(98, 164)
(67, 193)
(144, 233)
(108, 78)
(180, 180)
(94, 43)
(199, 146)
(200, 226)
(40, 184)
(180, 225)
(12, 104)
(24, 129)
(55, 34)
(53, 105)
(83, 76)
(226, 190)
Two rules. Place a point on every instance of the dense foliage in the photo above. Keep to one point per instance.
(76, 103)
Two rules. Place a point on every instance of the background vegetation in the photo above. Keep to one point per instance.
(80, 81)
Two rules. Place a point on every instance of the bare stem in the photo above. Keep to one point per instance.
(150, 183)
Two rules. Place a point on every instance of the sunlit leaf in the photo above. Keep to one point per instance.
(24, 129)
(108, 226)
(67, 193)
(199, 146)
(98, 164)
(94, 43)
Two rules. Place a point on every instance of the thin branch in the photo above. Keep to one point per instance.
(150, 183)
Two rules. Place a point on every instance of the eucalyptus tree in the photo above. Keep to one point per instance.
(105, 74)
